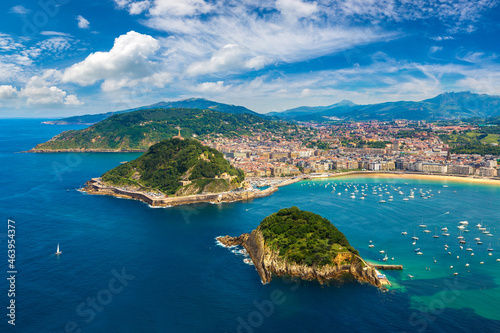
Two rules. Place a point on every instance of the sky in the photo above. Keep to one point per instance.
(66, 57)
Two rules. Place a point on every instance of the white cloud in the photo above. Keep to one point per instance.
(230, 57)
(7, 92)
(83, 23)
(284, 31)
(14, 67)
(127, 61)
(441, 38)
(165, 7)
(136, 8)
(42, 90)
(476, 57)
(435, 49)
(20, 10)
(296, 8)
(72, 100)
(7, 43)
(212, 87)
(54, 33)
(45, 95)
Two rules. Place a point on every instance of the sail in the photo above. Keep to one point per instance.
(57, 248)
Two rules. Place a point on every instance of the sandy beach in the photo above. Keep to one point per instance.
(447, 178)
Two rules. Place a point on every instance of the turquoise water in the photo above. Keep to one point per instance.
(174, 277)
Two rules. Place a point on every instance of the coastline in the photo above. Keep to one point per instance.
(268, 263)
(83, 150)
(96, 187)
(419, 175)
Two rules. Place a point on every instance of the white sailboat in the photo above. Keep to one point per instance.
(58, 252)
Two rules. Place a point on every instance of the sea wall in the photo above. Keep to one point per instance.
(95, 186)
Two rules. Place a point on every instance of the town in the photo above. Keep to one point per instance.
(401, 145)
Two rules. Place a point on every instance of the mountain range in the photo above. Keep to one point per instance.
(453, 105)
(446, 106)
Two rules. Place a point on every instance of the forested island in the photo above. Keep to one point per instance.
(176, 171)
(305, 245)
(177, 167)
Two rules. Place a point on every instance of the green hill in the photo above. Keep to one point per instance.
(191, 103)
(138, 130)
(166, 164)
(304, 237)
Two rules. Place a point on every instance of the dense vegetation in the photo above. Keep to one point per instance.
(166, 163)
(479, 141)
(139, 130)
(477, 148)
(191, 103)
(304, 237)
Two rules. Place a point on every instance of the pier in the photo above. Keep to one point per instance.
(388, 267)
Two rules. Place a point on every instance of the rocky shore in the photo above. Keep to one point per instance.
(269, 263)
(96, 186)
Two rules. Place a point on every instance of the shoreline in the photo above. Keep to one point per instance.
(96, 187)
(419, 175)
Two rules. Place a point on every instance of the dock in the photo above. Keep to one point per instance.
(388, 267)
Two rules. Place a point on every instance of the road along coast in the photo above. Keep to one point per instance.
(96, 186)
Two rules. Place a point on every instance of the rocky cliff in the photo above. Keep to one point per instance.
(268, 262)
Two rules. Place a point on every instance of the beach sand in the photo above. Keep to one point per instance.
(465, 179)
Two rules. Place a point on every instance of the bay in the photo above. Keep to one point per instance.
(126, 267)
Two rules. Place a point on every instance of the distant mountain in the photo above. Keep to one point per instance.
(307, 110)
(454, 105)
(191, 103)
(138, 130)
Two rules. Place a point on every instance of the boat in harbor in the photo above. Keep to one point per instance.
(414, 237)
(404, 233)
(489, 248)
(435, 235)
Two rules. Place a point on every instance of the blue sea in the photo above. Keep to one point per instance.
(127, 267)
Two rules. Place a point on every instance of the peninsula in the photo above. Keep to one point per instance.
(176, 171)
(138, 130)
(303, 244)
